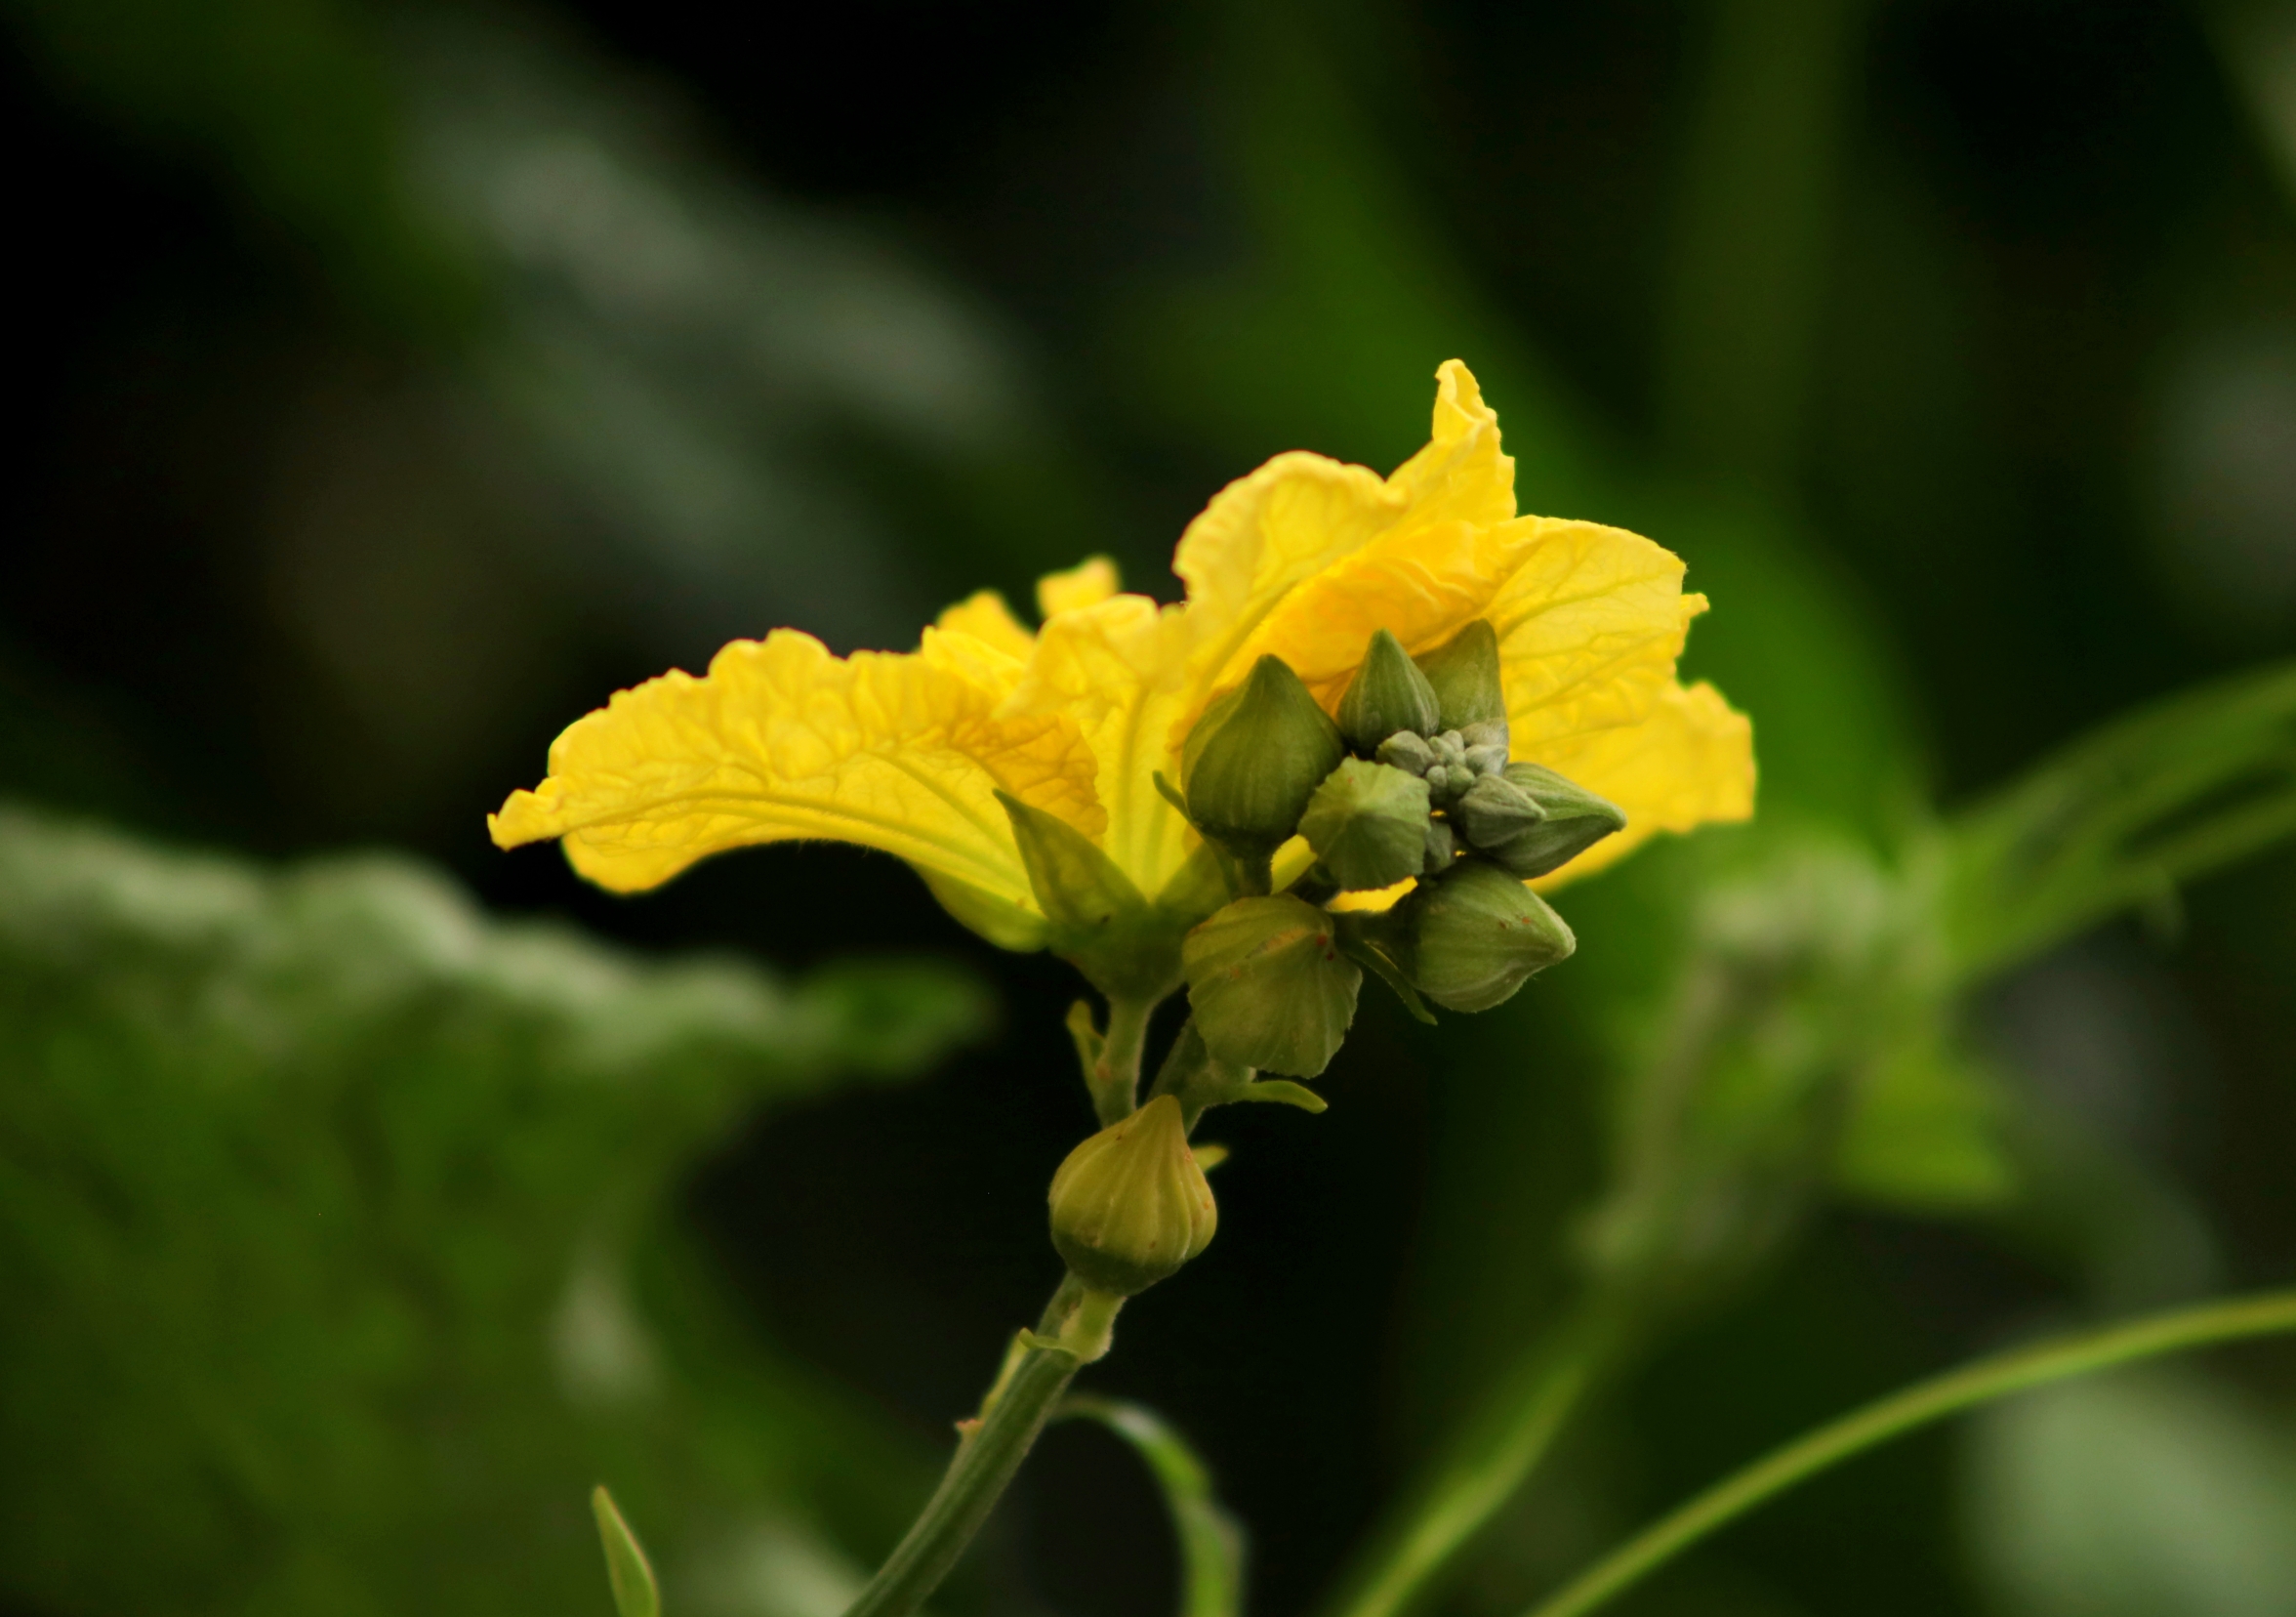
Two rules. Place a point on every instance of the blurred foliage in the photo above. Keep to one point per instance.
(328, 1209)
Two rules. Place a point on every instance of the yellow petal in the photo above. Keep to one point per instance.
(1086, 584)
(986, 619)
(897, 751)
(1689, 762)
(1117, 670)
(1259, 539)
(1589, 627)
(1460, 476)
(1306, 557)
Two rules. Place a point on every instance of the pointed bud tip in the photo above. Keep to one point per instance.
(1387, 695)
(1255, 757)
(1464, 675)
(1576, 820)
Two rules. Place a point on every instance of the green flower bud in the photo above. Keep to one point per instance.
(1486, 758)
(1367, 823)
(1494, 811)
(1252, 760)
(1464, 673)
(1441, 848)
(1468, 938)
(1407, 752)
(1130, 1205)
(1576, 820)
(1268, 986)
(1387, 694)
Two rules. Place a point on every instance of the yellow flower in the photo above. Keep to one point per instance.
(1304, 559)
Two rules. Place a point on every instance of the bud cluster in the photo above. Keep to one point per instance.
(1408, 781)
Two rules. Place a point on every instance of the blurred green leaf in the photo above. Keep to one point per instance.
(1924, 1134)
(332, 1214)
(632, 1575)
(2134, 1496)
(2121, 817)
(1211, 1544)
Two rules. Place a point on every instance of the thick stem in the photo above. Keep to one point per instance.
(988, 1455)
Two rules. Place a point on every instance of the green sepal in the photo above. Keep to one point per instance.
(636, 1594)
(1001, 921)
(1367, 823)
(1576, 820)
(1269, 987)
(1095, 917)
(1495, 812)
(1283, 1093)
(1253, 760)
(1387, 694)
(1464, 673)
(1170, 794)
(1090, 1043)
(1199, 887)
(1361, 936)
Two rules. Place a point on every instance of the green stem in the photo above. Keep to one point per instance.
(1115, 1077)
(1488, 1460)
(987, 1456)
(1916, 1406)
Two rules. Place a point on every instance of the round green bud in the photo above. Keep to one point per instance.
(1253, 760)
(1130, 1205)
(1576, 820)
(1464, 673)
(1268, 986)
(1473, 936)
(1387, 694)
(1494, 811)
(1367, 823)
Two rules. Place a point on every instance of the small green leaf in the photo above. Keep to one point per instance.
(1211, 1545)
(636, 1594)
(2118, 818)
(1283, 1093)
(1089, 1042)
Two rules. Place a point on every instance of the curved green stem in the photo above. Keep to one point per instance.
(1916, 1406)
(1488, 1460)
(1034, 1376)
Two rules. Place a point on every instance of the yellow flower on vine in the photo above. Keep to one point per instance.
(1304, 559)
